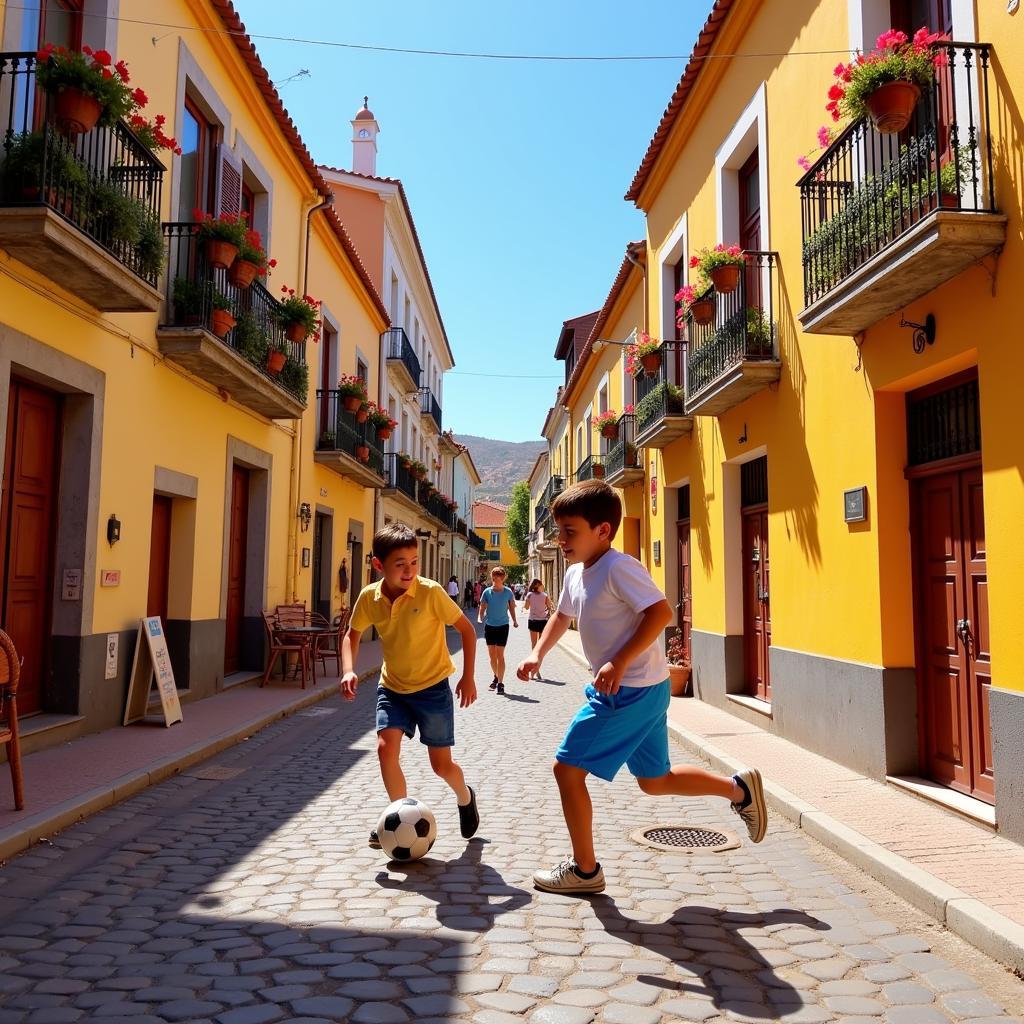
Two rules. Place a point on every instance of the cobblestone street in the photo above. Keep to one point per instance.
(243, 892)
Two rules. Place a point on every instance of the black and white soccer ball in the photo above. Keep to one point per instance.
(407, 829)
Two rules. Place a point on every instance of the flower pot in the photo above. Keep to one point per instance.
(406, 464)
(726, 279)
(949, 200)
(703, 311)
(30, 193)
(383, 433)
(679, 680)
(650, 363)
(610, 431)
(242, 273)
(220, 254)
(891, 105)
(363, 452)
(420, 474)
(275, 362)
(295, 333)
(75, 112)
(351, 403)
(597, 471)
(362, 415)
(221, 321)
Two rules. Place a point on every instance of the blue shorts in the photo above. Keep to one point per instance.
(432, 711)
(628, 728)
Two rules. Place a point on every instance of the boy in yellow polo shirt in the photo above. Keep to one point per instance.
(410, 613)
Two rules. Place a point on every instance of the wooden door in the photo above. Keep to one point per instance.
(954, 665)
(236, 569)
(757, 622)
(28, 516)
(685, 604)
(159, 557)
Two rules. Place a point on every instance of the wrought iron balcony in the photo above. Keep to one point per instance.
(591, 468)
(658, 409)
(622, 465)
(430, 408)
(344, 444)
(83, 210)
(399, 479)
(736, 354)
(460, 527)
(401, 357)
(555, 486)
(433, 504)
(477, 541)
(238, 362)
(887, 218)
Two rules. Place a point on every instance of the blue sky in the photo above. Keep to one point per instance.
(515, 170)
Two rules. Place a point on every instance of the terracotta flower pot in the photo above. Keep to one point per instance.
(75, 112)
(275, 362)
(242, 273)
(351, 403)
(383, 433)
(221, 321)
(891, 105)
(703, 311)
(610, 431)
(219, 253)
(363, 452)
(362, 415)
(650, 363)
(725, 279)
(295, 333)
(30, 193)
(679, 680)
(597, 470)
(420, 474)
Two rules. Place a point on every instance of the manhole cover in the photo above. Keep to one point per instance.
(685, 838)
(214, 773)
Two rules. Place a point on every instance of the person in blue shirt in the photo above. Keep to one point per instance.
(497, 602)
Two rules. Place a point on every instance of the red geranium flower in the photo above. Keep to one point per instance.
(101, 57)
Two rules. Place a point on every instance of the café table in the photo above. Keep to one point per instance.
(307, 634)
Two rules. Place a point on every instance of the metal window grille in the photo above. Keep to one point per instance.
(754, 482)
(945, 424)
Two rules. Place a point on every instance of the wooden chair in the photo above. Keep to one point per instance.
(281, 643)
(10, 672)
(291, 614)
(329, 645)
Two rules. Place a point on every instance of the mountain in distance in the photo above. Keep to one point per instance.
(501, 463)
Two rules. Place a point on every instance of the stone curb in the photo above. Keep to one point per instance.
(19, 837)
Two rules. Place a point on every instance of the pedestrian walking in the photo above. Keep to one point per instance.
(538, 608)
(410, 613)
(621, 616)
(452, 587)
(478, 589)
(467, 597)
(497, 603)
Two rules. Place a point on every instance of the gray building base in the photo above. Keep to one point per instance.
(1006, 710)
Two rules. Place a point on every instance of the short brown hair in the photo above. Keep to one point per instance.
(498, 570)
(392, 537)
(592, 500)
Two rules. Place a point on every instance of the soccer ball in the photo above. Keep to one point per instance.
(407, 829)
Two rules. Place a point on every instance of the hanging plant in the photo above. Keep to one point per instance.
(643, 355)
(299, 316)
(251, 261)
(698, 304)
(352, 392)
(721, 265)
(221, 237)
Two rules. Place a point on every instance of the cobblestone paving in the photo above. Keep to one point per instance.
(255, 899)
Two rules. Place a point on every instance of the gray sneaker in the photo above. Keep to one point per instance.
(563, 878)
(754, 811)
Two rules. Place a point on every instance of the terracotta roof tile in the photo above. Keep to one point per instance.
(489, 514)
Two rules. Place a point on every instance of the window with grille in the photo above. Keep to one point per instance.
(754, 482)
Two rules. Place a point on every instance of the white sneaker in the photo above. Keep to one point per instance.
(563, 878)
(754, 813)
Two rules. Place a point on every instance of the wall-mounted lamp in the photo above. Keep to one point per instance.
(113, 530)
(305, 515)
(602, 343)
(924, 334)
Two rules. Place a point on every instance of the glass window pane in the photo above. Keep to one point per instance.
(188, 165)
(61, 25)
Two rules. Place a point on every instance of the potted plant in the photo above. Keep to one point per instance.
(362, 451)
(352, 392)
(37, 158)
(363, 413)
(419, 470)
(151, 248)
(189, 301)
(721, 265)
(381, 422)
(295, 377)
(597, 470)
(607, 424)
(221, 319)
(151, 133)
(698, 302)
(250, 341)
(405, 461)
(678, 664)
(250, 261)
(645, 355)
(221, 237)
(276, 357)
(327, 438)
(886, 84)
(629, 457)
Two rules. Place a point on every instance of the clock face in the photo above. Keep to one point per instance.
(363, 133)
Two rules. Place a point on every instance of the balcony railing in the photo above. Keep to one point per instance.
(398, 348)
(555, 486)
(193, 286)
(869, 190)
(622, 460)
(477, 541)
(398, 477)
(735, 354)
(429, 406)
(659, 409)
(591, 468)
(460, 527)
(104, 182)
(436, 506)
(339, 431)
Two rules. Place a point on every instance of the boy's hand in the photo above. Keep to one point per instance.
(608, 678)
(347, 686)
(528, 668)
(466, 691)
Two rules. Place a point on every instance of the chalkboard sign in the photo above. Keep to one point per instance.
(855, 505)
(151, 660)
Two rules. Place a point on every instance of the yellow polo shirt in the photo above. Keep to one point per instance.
(411, 632)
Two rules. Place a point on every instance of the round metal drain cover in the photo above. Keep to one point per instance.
(685, 838)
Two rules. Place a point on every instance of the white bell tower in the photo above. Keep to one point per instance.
(364, 140)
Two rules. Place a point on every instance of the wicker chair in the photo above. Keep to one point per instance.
(10, 672)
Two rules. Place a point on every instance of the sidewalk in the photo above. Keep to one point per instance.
(76, 779)
(962, 874)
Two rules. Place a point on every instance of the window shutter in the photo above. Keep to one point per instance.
(229, 181)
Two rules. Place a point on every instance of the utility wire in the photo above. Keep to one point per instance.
(506, 376)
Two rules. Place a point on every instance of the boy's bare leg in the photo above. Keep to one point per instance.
(492, 654)
(389, 750)
(685, 780)
(499, 663)
(445, 768)
(578, 812)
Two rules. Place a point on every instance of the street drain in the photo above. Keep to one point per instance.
(685, 839)
(214, 773)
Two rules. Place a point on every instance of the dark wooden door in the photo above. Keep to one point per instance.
(159, 557)
(321, 571)
(28, 516)
(757, 620)
(236, 569)
(685, 605)
(954, 665)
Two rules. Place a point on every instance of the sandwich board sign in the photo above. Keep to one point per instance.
(151, 659)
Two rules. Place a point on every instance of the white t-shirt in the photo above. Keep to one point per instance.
(453, 589)
(607, 601)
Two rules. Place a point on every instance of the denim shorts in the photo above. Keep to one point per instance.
(432, 711)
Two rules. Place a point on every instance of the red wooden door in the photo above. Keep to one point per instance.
(236, 569)
(159, 557)
(27, 520)
(685, 605)
(954, 666)
(757, 621)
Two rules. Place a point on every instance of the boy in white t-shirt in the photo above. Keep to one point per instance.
(621, 616)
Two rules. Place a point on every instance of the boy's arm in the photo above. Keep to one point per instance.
(512, 612)
(349, 653)
(652, 623)
(482, 611)
(466, 689)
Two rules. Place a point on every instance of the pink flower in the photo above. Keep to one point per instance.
(836, 92)
(824, 136)
(733, 250)
(694, 262)
(804, 163)
(720, 247)
(839, 69)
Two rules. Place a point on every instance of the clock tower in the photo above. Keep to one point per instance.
(364, 140)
